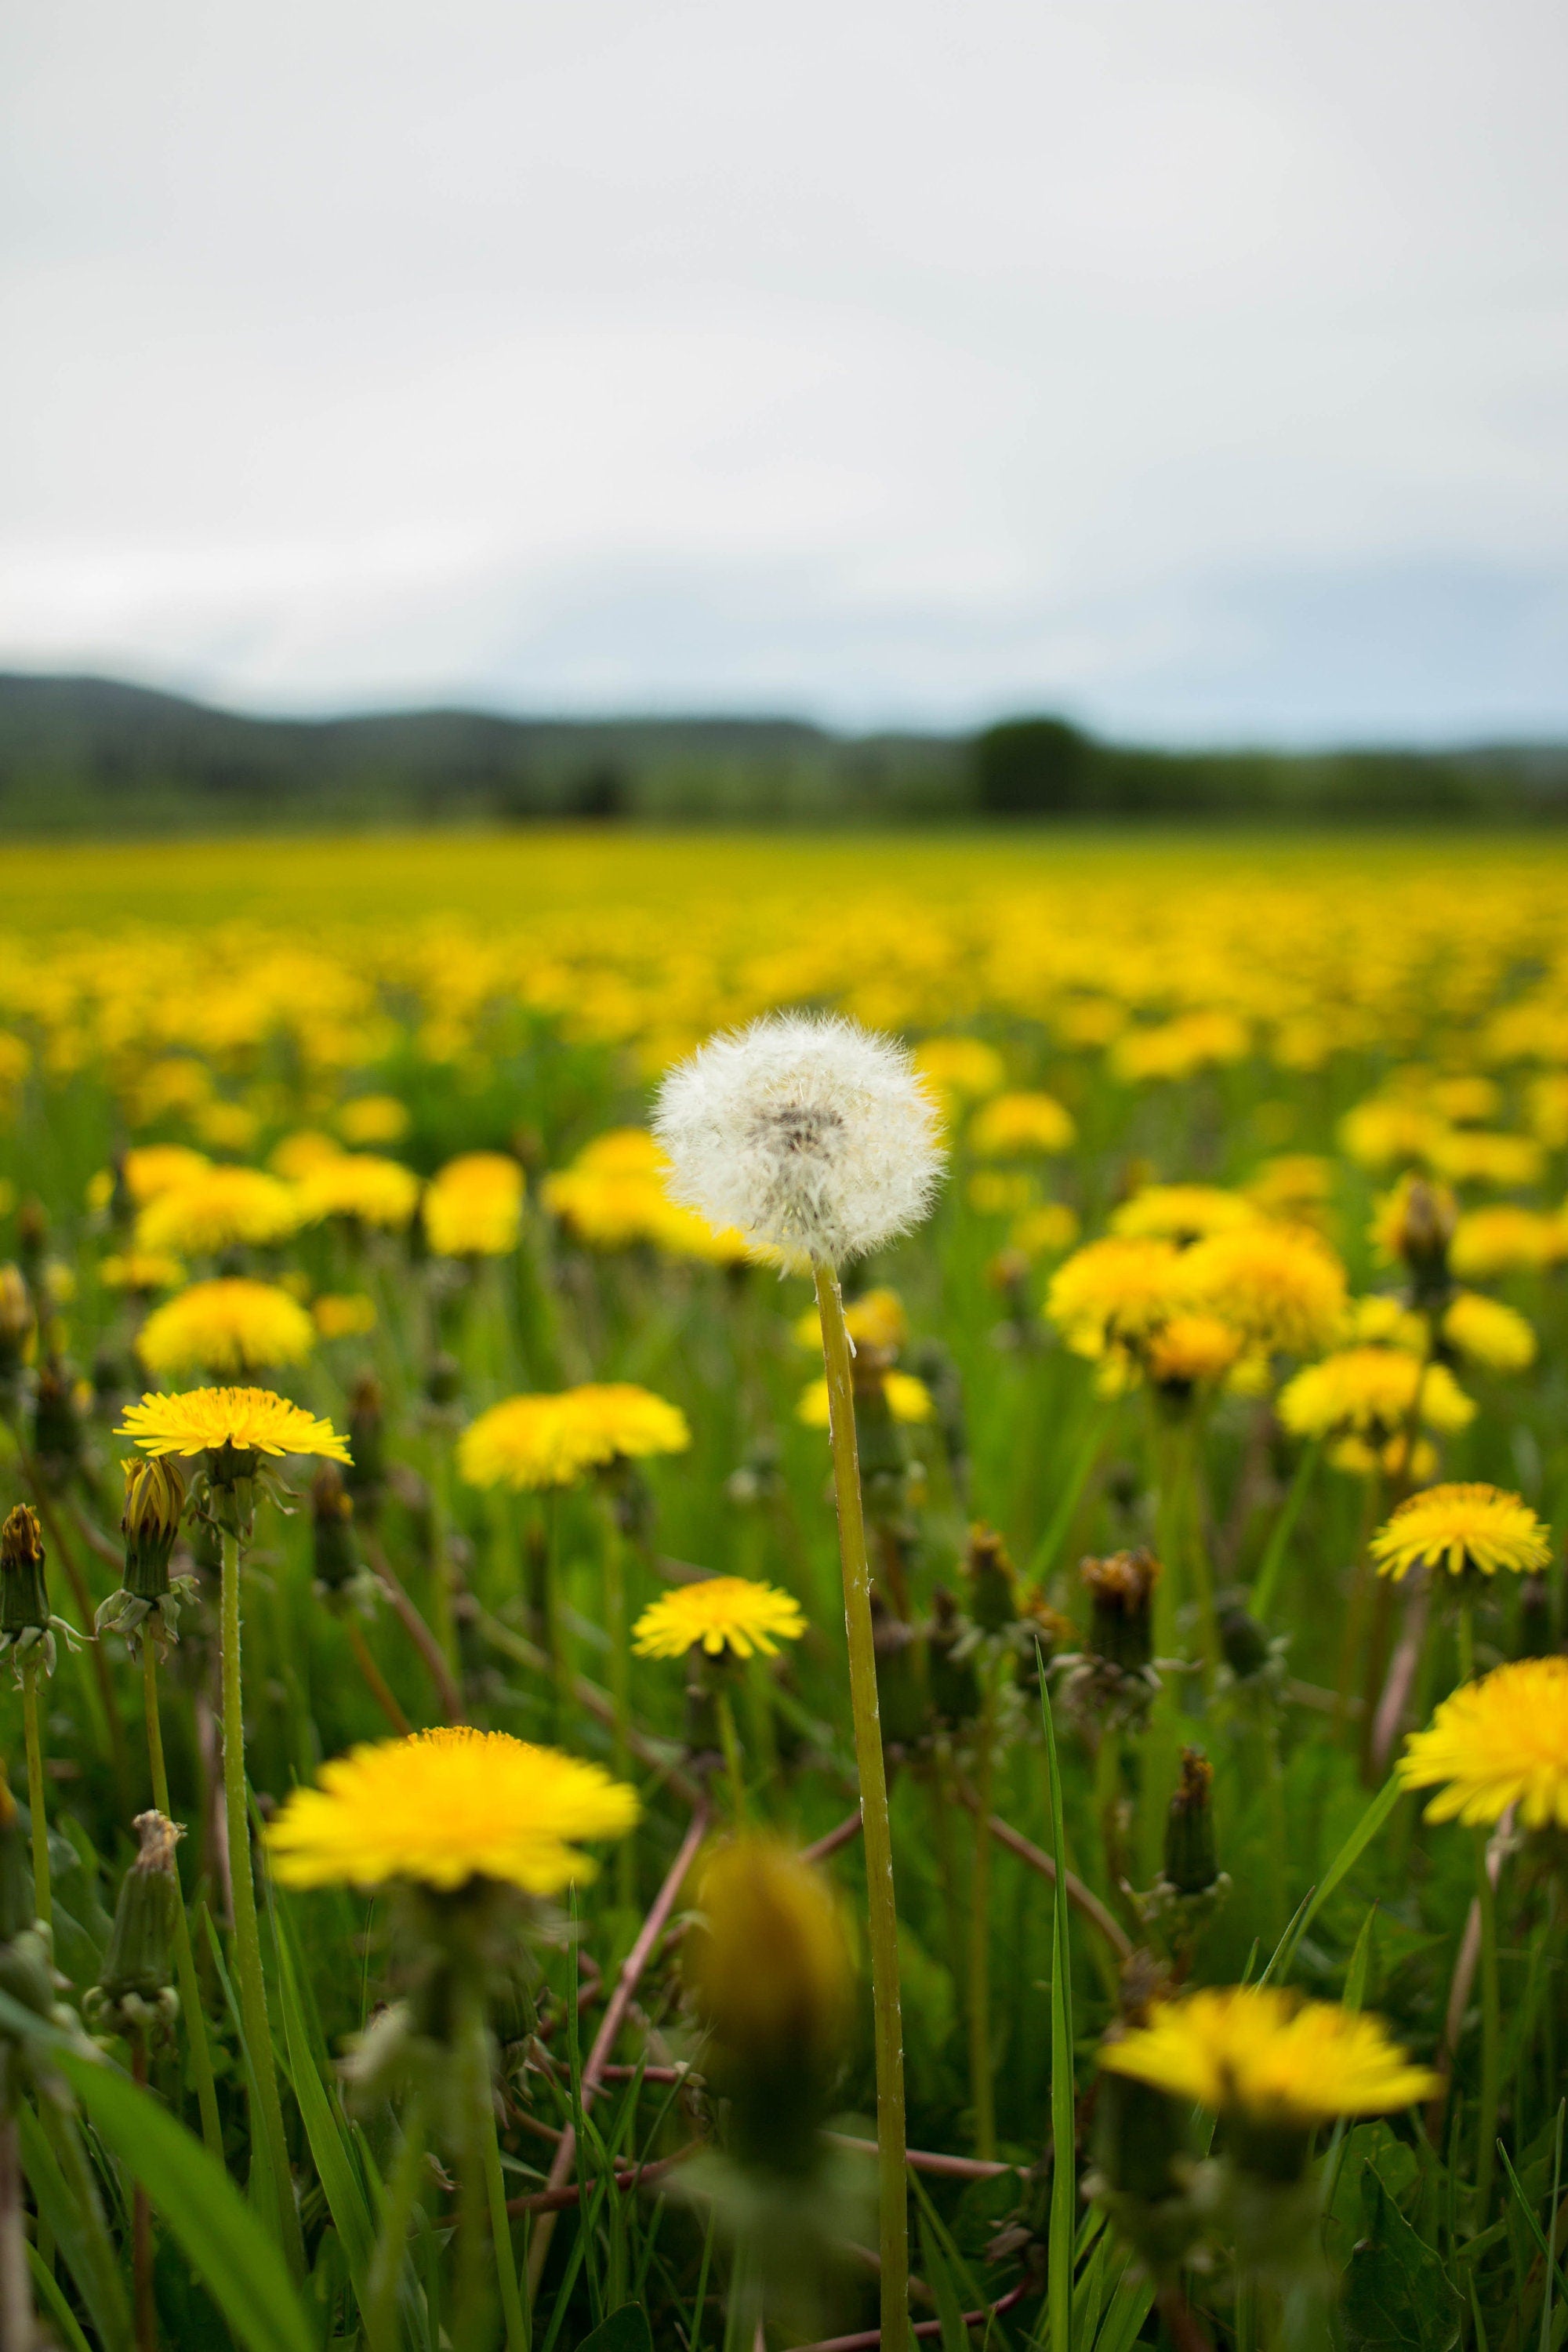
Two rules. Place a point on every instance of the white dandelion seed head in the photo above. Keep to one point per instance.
(810, 1134)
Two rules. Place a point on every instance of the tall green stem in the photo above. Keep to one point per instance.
(512, 2312)
(620, 1686)
(732, 1747)
(878, 1837)
(1491, 2033)
(386, 2264)
(191, 2012)
(35, 1806)
(982, 2089)
(246, 1934)
(1466, 1637)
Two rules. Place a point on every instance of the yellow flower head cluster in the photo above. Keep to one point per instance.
(218, 1208)
(1018, 1126)
(1260, 2054)
(716, 1613)
(1495, 1743)
(253, 1421)
(613, 1198)
(227, 1327)
(1369, 1392)
(908, 1400)
(1182, 1212)
(1280, 1285)
(529, 1443)
(1462, 1526)
(473, 1206)
(362, 1186)
(446, 1807)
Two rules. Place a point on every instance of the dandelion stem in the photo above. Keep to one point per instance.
(732, 1747)
(882, 1906)
(471, 2063)
(1466, 1637)
(982, 2090)
(142, 2225)
(1266, 1582)
(386, 2264)
(36, 1806)
(1491, 2033)
(191, 2012)
(246, 1934)
(615, 1567)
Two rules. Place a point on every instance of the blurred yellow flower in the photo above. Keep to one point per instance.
(1495, 1743)
(141, 1270)
(1455, 1527)
(445, 1807)
(1264, 2056)
(219, 1209)
(715, 1613)
(965, 1066)
(1485, 1333)
(1506, 1239)
(908, 1400)
(1020, 1126)
(473, 1206)
(1280, 1285)
(226, 1328)
(343, 1315)
(1182, 1212)
(1370, 1392)
(149, 1169)
(372, 1120)
(529, 1442)
(1115, 1292)
(876, 1320)
(361, 1186)
(766, 1958)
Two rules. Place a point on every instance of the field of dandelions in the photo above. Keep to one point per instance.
(761, 1595)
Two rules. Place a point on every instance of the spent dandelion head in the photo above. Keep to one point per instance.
(716, 1613)
(1497, 1743)
(1469, 1527)
(809, 1135)
(447, 1807)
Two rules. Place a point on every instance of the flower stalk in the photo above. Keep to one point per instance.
(882, 1907)
(36, 1790)
(191, 2010)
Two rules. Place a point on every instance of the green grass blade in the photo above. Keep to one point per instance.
(237, 2263)
(266, 2191)
(51, 2294)
(1064, 2163)
(949, 2302)
(1554, 2267)
(1343, 1863)
(75, 2220)
(327, 2133)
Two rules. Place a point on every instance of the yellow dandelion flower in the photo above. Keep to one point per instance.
(1115, 1291)
(529, 1443)
(1280, 1285)
(1369, 1392)
(1385, 1133)
(718, 1612)
(1047, 1232)
(1468, 1100)
(446, 1807)
(251, 1421)
(876, 1320)
(343, 1315)
(142, 1270)
(1192, 1351)
(1546, 1108)
(1382, 1321)
(1467, 1156)
(149, 1169)
(908, 1400)
(1011, 1127)
(473, 1206)
(361, 1185)
(965, 1066)
(1182, 1212)
(1460, 1527)
(297, 1153)
(372, 1120)
(219, 1209)
(1295, 1184)
(226, 1126)
(1506, 1239)
(230, 1327)
(1001, 1191)
(1499, 1742)
(624, 1151)
(606, 1208)
(1175, 1049)
(1487, 1333)
(1260, 2054)
(1357, 1459)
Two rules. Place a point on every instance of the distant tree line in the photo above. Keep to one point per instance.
(90, 754)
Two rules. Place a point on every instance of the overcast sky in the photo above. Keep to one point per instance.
(1199, 367)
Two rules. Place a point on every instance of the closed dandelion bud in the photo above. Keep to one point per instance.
(991, 1580)
(336, 1558)
(1122, 1612)
(23, 1593)
(1243, 1641)
(955, 1685)
(136, 1974)
(1534, 1617)
(367, 1444)
(56, 1424)
(19, 1325)
(901, 1702)
(155, 1504)
(1422, 1219)
(767, 1965)
(1191, 1865)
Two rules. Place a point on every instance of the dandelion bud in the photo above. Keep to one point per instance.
(810, 1135)
(1191, 1865)
(18, 1324)
(32, 1236)
(336, 1560)
(955, 1685)
(133, 1985)
(1418, 1226)
(1243, 1642)
(367, 1445)
(768, 1968)
(56, 1424)
(1122, 1614)
(155, 1503)
(23, 1593)
(993, 1581)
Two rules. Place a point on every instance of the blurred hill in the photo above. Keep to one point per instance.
(87, 754)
